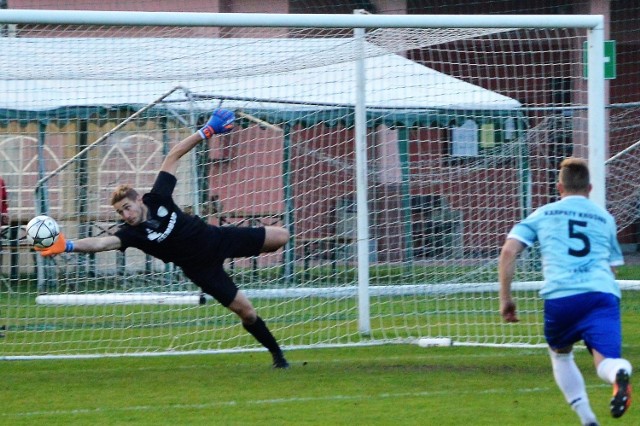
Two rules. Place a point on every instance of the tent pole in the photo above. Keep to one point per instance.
(524, 170)
(82, 195)
(289, 206)
(164, 129)
(44, 273)
(405, 197)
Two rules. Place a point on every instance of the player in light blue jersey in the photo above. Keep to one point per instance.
(579, 246)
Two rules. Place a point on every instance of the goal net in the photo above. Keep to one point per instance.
(463, 130)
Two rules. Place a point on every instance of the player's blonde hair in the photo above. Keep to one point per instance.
(574, 174)
(123, 191)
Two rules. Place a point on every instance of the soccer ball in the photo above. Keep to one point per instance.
(42, 231)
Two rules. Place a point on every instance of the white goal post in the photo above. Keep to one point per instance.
(397, 149)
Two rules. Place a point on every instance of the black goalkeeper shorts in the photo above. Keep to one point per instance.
(234, 242)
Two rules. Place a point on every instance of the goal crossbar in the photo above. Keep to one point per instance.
(192, 19)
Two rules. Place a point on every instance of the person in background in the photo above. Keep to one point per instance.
(580, 250)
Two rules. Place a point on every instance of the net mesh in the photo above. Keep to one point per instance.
(465, 132)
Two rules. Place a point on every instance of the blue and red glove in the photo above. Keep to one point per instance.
(220, 122)
(61, 245)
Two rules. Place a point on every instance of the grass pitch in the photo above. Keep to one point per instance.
(377, 385)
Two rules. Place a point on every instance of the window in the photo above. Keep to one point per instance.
(464, 140)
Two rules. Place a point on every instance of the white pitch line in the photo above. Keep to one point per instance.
(273, 401)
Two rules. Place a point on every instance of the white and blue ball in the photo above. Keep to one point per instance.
(42, 231)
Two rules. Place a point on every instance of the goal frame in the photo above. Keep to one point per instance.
(594, 24)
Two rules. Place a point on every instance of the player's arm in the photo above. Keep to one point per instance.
(96, 244)
(615, 255)
(221, 121)
(84, 245)
(170, 163)
(506, 271)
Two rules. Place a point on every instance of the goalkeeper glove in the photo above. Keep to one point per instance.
(61, 245)
(220, 122)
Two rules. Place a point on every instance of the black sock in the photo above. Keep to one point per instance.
(262, 334)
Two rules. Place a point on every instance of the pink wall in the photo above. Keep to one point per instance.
(233, 176)
(218, 6)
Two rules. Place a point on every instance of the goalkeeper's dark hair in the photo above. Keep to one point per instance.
(123, 191)
(574, 174)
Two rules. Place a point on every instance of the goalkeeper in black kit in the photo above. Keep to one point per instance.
(154, 224)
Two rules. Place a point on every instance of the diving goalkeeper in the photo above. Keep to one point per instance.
(154, 224)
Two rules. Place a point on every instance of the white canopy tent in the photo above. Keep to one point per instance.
(304, 73)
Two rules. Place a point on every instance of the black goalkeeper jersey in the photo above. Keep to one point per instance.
(168, 233)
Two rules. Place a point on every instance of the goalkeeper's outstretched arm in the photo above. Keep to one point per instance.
(96, 244)
(84, 245)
